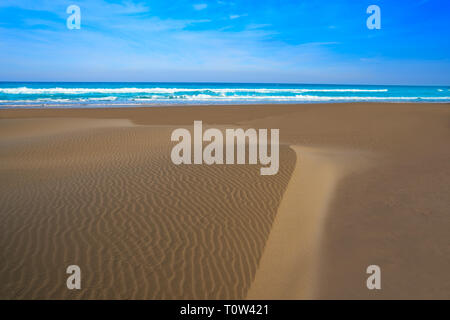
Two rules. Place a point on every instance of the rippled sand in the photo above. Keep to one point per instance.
(359, 184)
(104, 195)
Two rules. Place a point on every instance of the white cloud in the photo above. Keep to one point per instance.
(200, 6)
(235, 16)
(258, 25)
(225, 3)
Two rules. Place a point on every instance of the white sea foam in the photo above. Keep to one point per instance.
(112, 98)
(203, 97)
(45, 100)
(191, 95)
(200, 98)
(26, 90)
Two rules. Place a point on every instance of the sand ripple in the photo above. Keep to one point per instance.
(110, 200)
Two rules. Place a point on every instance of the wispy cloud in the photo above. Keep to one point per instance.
(200, 6)
(143, 40)
(257, 26)
(236, 16)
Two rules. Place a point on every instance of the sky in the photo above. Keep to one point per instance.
(275, 41)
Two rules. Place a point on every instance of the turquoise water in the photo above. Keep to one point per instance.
(95, 94)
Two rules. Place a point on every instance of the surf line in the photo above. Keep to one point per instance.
(213, 152)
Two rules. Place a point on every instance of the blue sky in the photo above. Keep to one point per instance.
(302, 41)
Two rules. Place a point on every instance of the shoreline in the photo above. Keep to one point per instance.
(130, 112)
(206, 104)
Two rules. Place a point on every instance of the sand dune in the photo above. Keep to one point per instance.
(109, 199)
(290, 263)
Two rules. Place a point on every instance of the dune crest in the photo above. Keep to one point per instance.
(294, 241)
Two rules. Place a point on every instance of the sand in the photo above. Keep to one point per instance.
(359, 184)
(291, 271)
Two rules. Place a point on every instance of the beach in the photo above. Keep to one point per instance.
(359, 184)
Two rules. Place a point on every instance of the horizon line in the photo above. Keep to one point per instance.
(227, 82)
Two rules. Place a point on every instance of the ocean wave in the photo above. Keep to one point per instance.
(210, 98)
(61, 100)
(288, 98)
(112, 98)
(203, 97)
(58, 90)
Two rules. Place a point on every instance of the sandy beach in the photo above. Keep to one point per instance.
(358, 184)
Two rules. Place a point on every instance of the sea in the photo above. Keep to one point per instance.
(110, 94)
